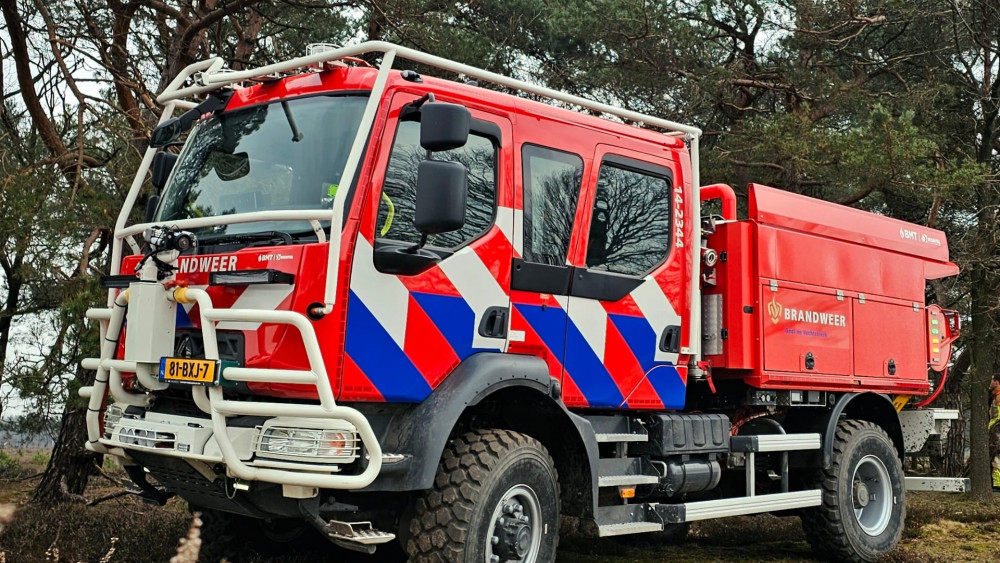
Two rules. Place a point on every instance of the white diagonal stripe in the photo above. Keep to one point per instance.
(261, 297)
(478, 287)
(660, 314)
(384, 295)
(591, 320)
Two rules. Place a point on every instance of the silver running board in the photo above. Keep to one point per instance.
(627, 528)
(938, 484)
(621, 437)
(721, 508)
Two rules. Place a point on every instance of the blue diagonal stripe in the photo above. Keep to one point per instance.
(378, 356)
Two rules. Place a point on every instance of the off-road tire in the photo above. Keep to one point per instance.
(217, 538)
(832, 529)
(238, 538)
(453, 520)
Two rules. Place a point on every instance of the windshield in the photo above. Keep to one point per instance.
(283, 155)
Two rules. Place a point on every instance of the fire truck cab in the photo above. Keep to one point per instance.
(402, 308)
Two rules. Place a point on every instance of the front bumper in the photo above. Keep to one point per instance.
(212, 439)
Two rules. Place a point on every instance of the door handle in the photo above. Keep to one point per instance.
(670, 342)
(494, 323)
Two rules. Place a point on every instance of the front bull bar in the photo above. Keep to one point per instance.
(210, 399)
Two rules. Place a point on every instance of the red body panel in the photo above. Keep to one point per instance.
(844, 289)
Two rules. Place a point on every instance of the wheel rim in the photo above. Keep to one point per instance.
(516, 530)
(871, 495)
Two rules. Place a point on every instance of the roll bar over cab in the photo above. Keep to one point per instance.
(359, 290)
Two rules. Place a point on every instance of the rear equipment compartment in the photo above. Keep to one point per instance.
(810, 294)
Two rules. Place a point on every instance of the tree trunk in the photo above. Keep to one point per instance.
(984, 360)
(70, 465)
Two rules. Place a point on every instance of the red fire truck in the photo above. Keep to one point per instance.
(399, 308)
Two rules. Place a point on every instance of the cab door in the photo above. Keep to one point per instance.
(624, 333)
(411, 321)
(550, 180)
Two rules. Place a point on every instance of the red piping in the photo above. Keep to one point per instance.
(724, 192)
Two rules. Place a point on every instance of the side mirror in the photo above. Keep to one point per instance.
(441, 193)
(151, 204)
(163, 164)
(166, 132)
(444, 126)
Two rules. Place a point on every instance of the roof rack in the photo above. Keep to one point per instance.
(211, 75)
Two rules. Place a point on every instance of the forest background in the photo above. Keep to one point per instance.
(892, 106)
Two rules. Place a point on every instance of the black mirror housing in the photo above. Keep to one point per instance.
(441, 194)
(444, 126)
(166, 132)
(163, 164)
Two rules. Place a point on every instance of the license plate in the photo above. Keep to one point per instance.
(187, 370)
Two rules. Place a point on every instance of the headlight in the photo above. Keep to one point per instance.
(317, 445)
(112, 415)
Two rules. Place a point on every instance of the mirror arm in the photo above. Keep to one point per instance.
(413, 249)
(414, 106)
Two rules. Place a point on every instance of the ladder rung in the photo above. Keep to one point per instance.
(628, 528)
(776, 442)
(616, 480)
(622, 437)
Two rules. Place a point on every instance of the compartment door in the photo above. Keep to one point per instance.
(889, 340)
(806, 332)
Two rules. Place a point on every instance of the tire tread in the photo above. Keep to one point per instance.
(824, 528)
(439, 529)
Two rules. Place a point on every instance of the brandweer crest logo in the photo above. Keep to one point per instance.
(775, 309)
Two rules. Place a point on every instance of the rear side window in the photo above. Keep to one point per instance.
(552, 181)
(630, 222)
(399, 191)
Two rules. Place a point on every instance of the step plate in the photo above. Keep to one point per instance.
(358, 532)
(617, 480)
(938, 484)
(628, 528)
(622, 437)
(721, 508)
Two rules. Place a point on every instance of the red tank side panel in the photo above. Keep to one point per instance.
(822, 297)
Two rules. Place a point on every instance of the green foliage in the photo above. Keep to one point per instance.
(10, 466)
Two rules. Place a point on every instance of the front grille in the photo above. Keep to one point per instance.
(147, 438)
(191, 344)
(177, 400)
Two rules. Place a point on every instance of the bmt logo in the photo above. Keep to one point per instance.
(775, 309)
(907, 234)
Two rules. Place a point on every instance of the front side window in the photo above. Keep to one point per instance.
(552, 181)
(630, 223)
(278, 156)
(397, 204)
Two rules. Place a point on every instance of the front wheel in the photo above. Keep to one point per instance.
(495, 500)
(864, 503)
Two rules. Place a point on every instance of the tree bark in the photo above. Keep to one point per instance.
(984, 365)
(70, 465)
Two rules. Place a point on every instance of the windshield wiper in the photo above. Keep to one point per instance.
(296, 134)
(246, 238)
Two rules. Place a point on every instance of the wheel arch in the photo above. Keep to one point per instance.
(871, 407)
(569, 438)
(512, 392)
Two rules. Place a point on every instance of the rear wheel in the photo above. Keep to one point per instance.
(864, 504)
(495, 500)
